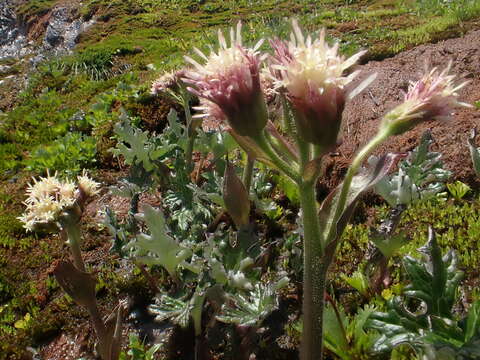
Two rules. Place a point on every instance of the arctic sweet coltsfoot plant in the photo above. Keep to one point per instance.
(54, 204)
(308, 76)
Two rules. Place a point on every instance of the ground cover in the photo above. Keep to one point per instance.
(139, 46)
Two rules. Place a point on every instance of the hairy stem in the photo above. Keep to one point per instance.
(74, 239)
(314, 276)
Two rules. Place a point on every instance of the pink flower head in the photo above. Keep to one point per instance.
(434, 96)
(229, 80)
(310, 73)
(169, 81)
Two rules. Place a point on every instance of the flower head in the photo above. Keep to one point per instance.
(49, 197)
(169, 81)
(87, 185)
(434, 96)
(310, 73)
(229, 80)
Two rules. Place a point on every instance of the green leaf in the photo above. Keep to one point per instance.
(474, 151)
(458, 189)
(166, 307)
(23, 323)
(158, 248)
(250, 310)
(360, 183)
(473, 321)
(335, 339)
(358, 281)
(430, 325)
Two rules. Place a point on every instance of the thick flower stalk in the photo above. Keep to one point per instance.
(53, 203)
(434, 96)
(311, 75)
(228, 82)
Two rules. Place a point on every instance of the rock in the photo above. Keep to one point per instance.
(13, 42)
(62, 28)
(8, 23)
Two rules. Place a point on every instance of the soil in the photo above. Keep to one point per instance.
(361, 120)
(363, 114)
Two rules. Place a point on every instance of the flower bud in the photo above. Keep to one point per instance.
(318, 119)
(235, 197)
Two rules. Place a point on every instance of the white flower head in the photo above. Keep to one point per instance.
(49, 197)
(169, 81)
(87, 185)
(46, 199)
(310, 73)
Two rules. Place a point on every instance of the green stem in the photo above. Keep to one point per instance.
(263, 143)
(305, 152)
(189, 151)
(281, 148)
(352, 170)
(314, 276)
(191, 133)
(248, 173)
(74, 239)
(288, 122)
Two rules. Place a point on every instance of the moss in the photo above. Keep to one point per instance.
(32, 8)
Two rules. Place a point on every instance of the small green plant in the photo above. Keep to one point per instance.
(422, 317)
(68, 154)
(458, 190)
(138, 351)
(420, 176)
(345, 335)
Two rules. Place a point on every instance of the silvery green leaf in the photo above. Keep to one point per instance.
(251, 309)
(166, 307)
(419, 177)
(361, 182)
(158, 247)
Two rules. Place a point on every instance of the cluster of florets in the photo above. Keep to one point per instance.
(310, 74)
(169, 81)
(434, 96)
(49, 196)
